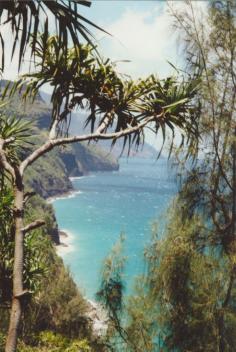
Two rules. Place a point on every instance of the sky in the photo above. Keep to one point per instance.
(140, 31)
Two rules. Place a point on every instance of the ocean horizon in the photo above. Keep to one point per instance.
(106, 204)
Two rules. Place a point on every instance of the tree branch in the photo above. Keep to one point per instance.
(9, 140)
(34, 225)
(104, 124)
(3, 160)
(81, 138)
(28, 195)
(53, 130)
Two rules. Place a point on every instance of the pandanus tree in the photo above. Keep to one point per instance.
(25, 19)
(116, 106)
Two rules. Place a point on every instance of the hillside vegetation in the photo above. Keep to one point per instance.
(74, 160)
(56, 317)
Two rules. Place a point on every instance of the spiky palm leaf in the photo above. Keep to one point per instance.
(19, 131)
(27, 17)
(35, 263)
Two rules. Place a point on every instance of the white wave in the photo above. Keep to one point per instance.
(63, 250)
(72, 194)
(99, 318)
(66, 245)
(74, 178)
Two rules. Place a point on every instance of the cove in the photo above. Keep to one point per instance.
(106, 204)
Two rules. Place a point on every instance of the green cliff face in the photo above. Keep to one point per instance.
(49, 175)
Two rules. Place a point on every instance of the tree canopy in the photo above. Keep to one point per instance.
(27, 18)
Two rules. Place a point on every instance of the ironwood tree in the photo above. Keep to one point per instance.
(186, 300)
(116, 107)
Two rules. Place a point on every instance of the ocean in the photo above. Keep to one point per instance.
(106, 204)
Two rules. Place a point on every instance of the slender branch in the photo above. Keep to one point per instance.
(204, 59)
(212, 99)
(3, 160)
(28, 195)
(81, 138)
(104, 123)
(223, 310)
(34, 225)
(229, 290)
(234, 187)
(53, 130)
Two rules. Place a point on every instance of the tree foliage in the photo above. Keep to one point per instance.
(116, 106)
(27, 18)
(113, 102)
(35, 264)
(186, 299)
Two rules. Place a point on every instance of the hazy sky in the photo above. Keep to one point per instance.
(141, 31)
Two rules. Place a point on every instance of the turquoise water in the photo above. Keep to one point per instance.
(110, 203)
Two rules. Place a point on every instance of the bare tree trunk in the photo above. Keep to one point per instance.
(18, 291)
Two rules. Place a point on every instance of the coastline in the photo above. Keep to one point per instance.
(66, 243)
(96, 313)
(65, 195)
(99, 318)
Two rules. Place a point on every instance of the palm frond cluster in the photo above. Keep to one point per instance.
(114, 102)
(17, 132)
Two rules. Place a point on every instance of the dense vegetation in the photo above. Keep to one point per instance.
(185, 301)
(55, 316)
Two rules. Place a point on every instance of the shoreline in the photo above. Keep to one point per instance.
(66, 243)
(95, 313)
(66, 195)
(98, 316)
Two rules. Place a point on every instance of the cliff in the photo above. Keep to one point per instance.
(49, 175)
